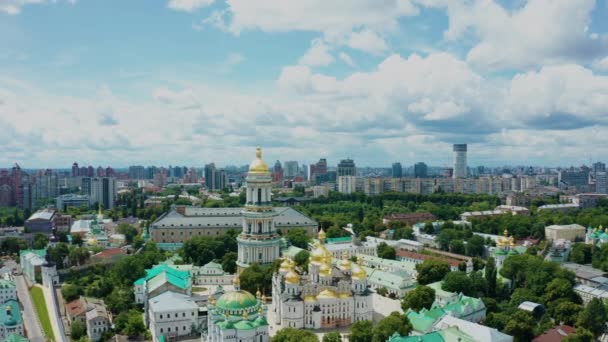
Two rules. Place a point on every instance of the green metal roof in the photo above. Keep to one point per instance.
(39, 252)
(178, 278)
(15, 338)
(451, 334)
(6, 284)
(15, 314)
(235, 300)
(341, 239)
(423, 321)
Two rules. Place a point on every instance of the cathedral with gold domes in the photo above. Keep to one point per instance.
(329, 294)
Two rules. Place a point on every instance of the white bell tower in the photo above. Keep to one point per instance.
(259, 241)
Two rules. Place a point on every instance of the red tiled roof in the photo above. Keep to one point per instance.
(556, 334)
(109, 253)
(418, 256)
(75, 307)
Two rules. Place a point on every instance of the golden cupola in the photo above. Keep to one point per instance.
(258, 165)
(358, 272)
(292, 277)
(286, 265)
(325, 270)
(345, 264)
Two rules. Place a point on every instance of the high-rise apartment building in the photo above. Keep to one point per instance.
(137, 172)
(101, 190)
(420, 170)
(347, 184)
(45, 186)
(75, 170)
(573, 178)
(601, 183)
(599, 167)
(397, 170)
(346, 167)
(460, 161)
(317, 169)
(215, 179)
(291, 169)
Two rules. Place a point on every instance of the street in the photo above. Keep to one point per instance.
(30, 319)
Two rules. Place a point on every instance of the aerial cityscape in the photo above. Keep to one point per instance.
(303, 171)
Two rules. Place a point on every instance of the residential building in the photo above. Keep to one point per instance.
(237, 316)
(396, 170)
(11, 320)
(571, 232)
(101, 190)
(340, 245)
(420, 170)
(320, 190)
(567, 207)
(451, 334)
(346, 167)
(462, 307)
(397, 284)
(72, 200)
(137, 172)
(97, 320)
(215, 179)
(577, 179)
(45, 186)
(347, 184)
(418, 258)
(174, 315)
(291, 169)
(317, 169)
(42, 221)
(331, 295)
(460, 161)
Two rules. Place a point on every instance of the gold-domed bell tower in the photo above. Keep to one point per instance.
(258, 242)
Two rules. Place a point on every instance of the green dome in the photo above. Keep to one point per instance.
(603, 236)
(500, 252)
(513, 252)
(236, 300)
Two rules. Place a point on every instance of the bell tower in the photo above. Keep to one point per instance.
(258, 241)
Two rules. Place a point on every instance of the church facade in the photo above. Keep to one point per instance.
(330, 294)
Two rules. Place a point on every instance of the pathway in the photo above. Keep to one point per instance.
(30, 319)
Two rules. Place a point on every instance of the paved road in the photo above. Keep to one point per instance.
(32, 326)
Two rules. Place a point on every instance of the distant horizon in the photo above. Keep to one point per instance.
(140, 82)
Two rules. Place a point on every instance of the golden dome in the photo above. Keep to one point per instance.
(345, 295)
(258, 165)
(286, 265)
(327, 293)
(292, 277)
(325, 270)
(320, 254)
(310, 298)
(345, 264)
(322, 236)
(358, 271)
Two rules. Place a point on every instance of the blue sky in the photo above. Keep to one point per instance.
(113, 82)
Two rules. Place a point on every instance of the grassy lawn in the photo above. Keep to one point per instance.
(199, 289)
(41, 310)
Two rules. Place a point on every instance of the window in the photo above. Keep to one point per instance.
(259, 196)
(161, 316)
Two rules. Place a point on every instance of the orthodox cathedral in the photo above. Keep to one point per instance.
(331, 294)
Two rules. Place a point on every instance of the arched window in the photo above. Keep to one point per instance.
(259, 227)
(259, 196)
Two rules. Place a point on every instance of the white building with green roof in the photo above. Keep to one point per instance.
(31, 261)
(160, 279)
(173, 315)
(237, 316)
(11, 321)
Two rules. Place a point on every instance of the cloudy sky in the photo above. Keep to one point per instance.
(187, 82)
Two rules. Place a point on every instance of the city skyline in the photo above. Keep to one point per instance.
(104, 83)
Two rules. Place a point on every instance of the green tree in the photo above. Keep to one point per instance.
(393, 323)
(560, 288)
(40, 241)
(581, 253)
(77, 240)
(581, 335)
(294, 335)
(431, 271)
(457, 246)
(521, 326)
(475, 246)
(490, 275)
(361, 331)
(593, 317)
(301, 259)
(130, 323)
(386, 252)
(71, 292)
(420, 297)
(77, 330)
(298, 237)
(12, 246)
(229, 262)
(457, 282)
(257, 277)
(428, 228)
(128, 231)
(567, 313)
(335, 232)
(200, 250)
(121, 299)
(333, 336)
